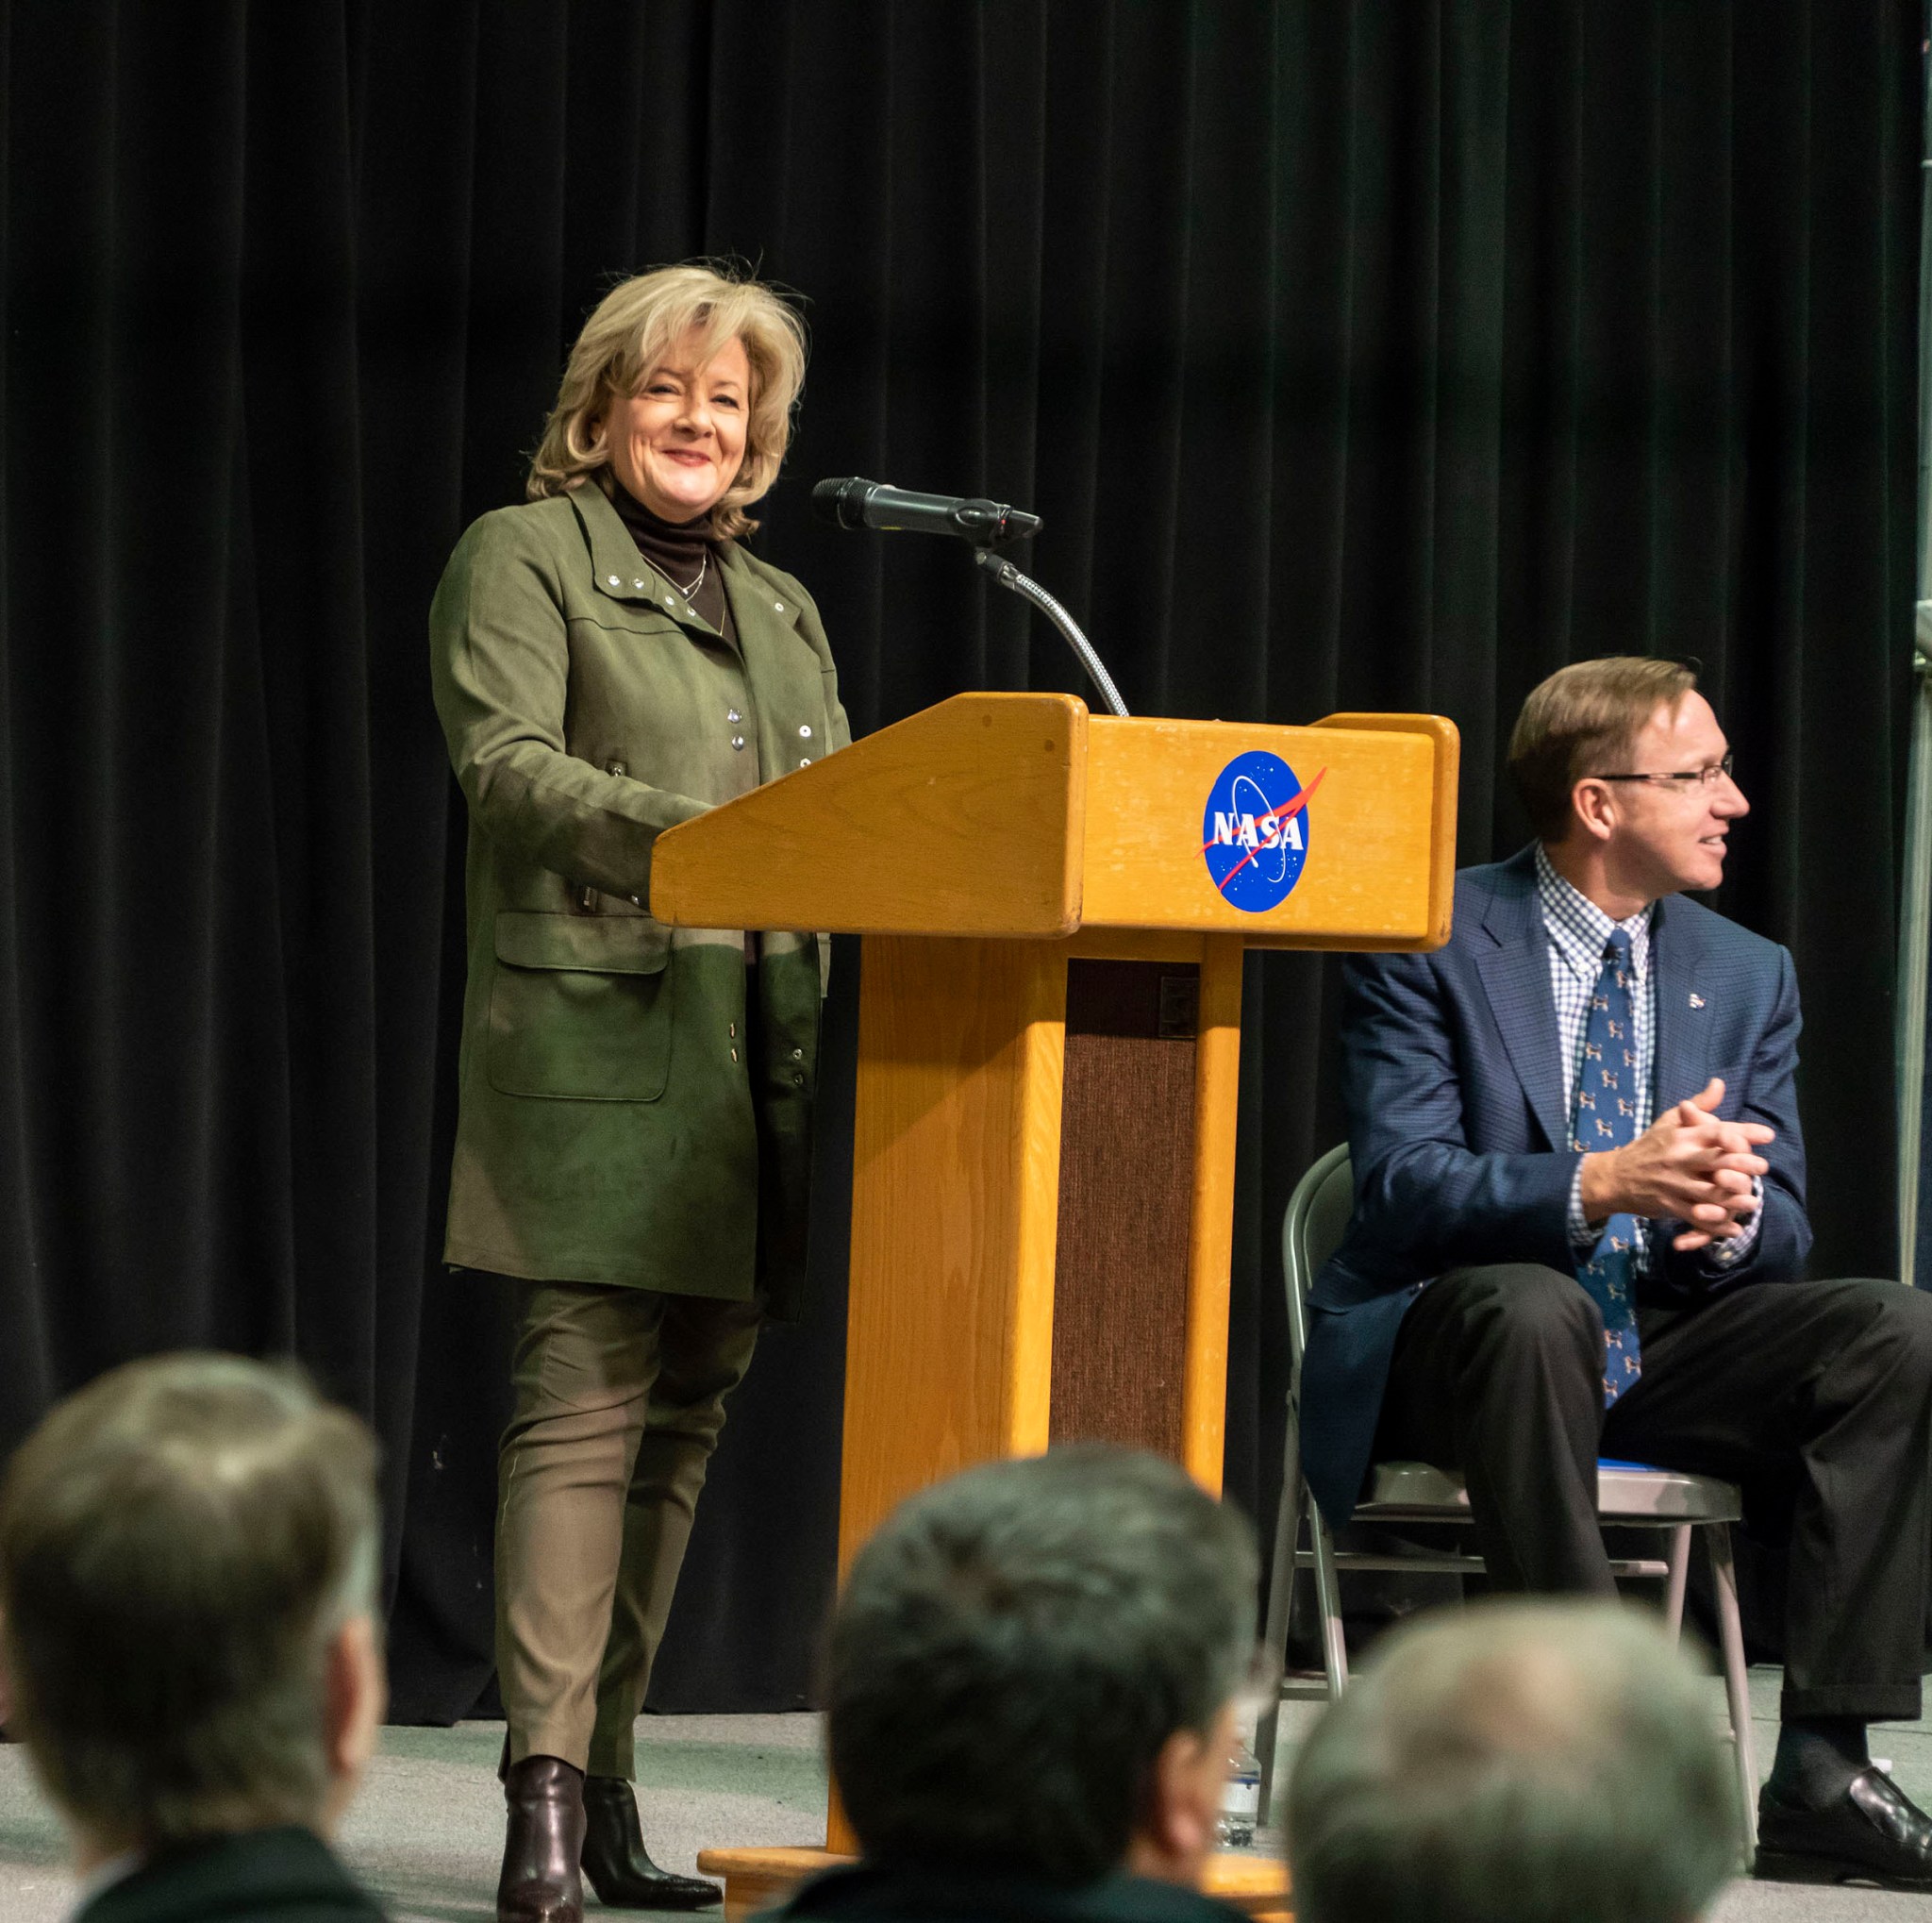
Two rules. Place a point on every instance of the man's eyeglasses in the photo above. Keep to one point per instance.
(1697, 777)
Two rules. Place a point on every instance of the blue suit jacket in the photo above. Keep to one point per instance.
(1457, 1135)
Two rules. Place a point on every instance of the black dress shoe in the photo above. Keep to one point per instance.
(546, 1838)
(618, 1864)
(1872, 1833)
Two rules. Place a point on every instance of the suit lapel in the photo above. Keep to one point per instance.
(1683, 1031)
(1515, 970)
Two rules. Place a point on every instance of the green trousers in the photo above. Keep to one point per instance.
(620, 1396)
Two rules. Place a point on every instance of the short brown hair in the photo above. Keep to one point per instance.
(1581, 719)
(629, 332)
(179, 1541)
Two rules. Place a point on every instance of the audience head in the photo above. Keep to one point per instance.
(1524, 1763)
(1032, 1669)
(188, 1567)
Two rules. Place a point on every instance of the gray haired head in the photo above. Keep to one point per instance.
(1013, 1648)
(1520, 1762)
(179, 1541)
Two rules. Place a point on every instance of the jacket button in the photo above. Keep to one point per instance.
(732, 714)
(778, 606)
(638, 584)
(667, 600)
(734, 1055)
(804, 730)
(637, 901)
(798, 1055)
(731, 1029)
(805, 761)
(798, 1082)
(613, 580)
(738, 740)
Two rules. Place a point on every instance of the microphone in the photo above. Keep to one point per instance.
(851, 502)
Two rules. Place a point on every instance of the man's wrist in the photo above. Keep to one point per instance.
(1582, 1236)
(1596, 1185)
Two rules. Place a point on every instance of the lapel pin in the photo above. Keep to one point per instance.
(1696, 1001)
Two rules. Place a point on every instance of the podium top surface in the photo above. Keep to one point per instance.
(1024, 815)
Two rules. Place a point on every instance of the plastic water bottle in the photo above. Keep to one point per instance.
(1241, 1801)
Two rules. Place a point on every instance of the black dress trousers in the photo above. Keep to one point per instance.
(1816, 1398)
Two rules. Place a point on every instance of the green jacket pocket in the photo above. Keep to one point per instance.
(581, 1007)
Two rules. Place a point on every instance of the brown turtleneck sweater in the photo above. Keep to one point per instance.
(679, 550)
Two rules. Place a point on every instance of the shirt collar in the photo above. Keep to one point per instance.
(1578, 928)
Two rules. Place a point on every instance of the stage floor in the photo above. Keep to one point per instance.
(428, 1826)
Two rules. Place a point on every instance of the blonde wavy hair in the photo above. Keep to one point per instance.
(630, 333)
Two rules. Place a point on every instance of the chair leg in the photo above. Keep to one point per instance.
(1679, 1576)
(1737, 1678)
(1329, 1598)
(1288, 1516)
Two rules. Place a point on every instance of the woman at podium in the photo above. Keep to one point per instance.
(633, 1133)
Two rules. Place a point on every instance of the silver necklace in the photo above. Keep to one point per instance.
(691, 591)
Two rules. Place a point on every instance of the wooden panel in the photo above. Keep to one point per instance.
(1374, 830)
(1448, 767)
(1126, 1193)
(1210, 1240)
(1022, 816)
(953, 1204)
(966, 819)
(839, 1834)
(755, 1879)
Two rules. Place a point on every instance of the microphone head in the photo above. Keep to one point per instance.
(842, 501)
(848, 501)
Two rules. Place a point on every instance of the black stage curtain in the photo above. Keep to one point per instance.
(1362, 355)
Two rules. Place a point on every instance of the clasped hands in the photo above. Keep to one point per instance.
(1687, 1165)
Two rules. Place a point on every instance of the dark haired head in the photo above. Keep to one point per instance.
(1013, 1648)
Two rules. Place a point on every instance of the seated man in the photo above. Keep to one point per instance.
(1525, 1762)
(1579, 1228)
(1029, 1696)
(187, 1566)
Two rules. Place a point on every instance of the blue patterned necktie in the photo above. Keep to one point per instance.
(1606, 1117)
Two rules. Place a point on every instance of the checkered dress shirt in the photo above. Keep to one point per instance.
(1577, 931)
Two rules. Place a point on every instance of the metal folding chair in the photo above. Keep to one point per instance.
(1629, 1495)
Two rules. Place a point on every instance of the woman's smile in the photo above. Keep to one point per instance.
(677, 444)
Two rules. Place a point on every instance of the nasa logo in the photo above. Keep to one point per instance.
(1255, 834)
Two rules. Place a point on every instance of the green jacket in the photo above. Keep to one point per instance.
(620, 1119)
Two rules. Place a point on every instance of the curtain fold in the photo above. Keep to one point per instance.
(1355, 356)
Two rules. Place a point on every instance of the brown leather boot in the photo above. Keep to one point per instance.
(618, 1864)
(545, 1839)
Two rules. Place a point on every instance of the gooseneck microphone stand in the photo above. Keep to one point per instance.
(851, 501)
(1008, 577)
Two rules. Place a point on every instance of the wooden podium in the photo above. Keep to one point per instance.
(1048, 1056)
